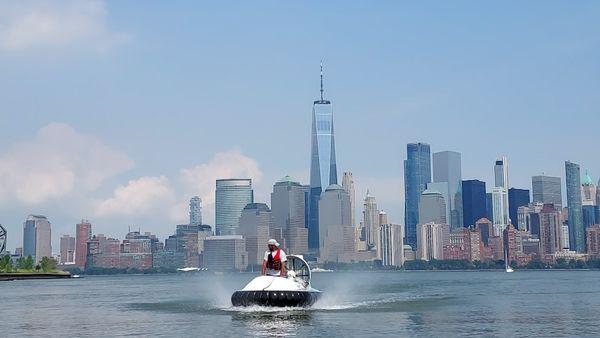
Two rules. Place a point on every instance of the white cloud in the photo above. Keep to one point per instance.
(140, 197)
(57, 162)
(29, 24)
(200, 180)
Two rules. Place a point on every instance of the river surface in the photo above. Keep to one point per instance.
(424, 304)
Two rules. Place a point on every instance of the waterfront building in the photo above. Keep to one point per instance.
(37, 237)
(255, 224)
(288, 205)
(500, 209)
(370, 220)
(455, 247)
(417, 173)
(231, 196)
(593, 241)
(473, 196)
(550, 230)
(337, 243)
(225, 253)
(323, 165)
(511, 243)
(588, 214)
(576, 228)
(447, 168)
(196, 211)
(516, 198)
(486, 229)
(547, 189)
(67, 249)
(390, 244)
(432, 207)
(348, 185)
(83, 233)
(430, 240)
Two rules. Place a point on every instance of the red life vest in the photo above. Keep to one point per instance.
(274, 262)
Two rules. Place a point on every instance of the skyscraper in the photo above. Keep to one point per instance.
(550, 230)
(288, 205)
(516, 198)
(323, 167)
(430, 238)
(348, 185)
(370, 220)
(390, 244)
(501, 172)
(547, 189)
(337, 241)
(417, 173)
(37, 237)
(67, 249)
(447, 168)
(432, 207)
(473, 192)
(489, 206)
(588, 190)
(195, 211)
(576, 228)
(231, 196)
(83, 233)
(255, 223)
(500, 210)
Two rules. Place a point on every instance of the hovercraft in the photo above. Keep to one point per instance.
(293, 290)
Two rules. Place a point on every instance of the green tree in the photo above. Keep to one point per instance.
(4, 262)
(9, 265)
(28, 263)
(48, 264)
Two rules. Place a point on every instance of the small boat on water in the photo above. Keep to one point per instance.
(293, 291)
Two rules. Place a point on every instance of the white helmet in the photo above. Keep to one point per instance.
(273, 242)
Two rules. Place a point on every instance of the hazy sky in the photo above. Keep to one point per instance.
(120, 111)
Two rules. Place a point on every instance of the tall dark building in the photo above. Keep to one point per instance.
(489, 207)
(417, 173)
(474, 204)
(576, 228)
(516, 198)
(323, 167)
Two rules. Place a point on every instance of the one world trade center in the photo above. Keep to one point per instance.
(323, 168)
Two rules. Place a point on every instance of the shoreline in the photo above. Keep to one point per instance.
(32, 275)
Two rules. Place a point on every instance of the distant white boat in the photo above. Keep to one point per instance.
(75, 276)
(320, 270)
(506, 264)
(509, 269)
(188, 269)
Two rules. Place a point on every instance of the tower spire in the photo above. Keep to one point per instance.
(321, 80)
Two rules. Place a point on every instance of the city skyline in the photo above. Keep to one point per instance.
(112, 142)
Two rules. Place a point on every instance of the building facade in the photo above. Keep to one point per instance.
(337, 241)
(417, 173)
(225, 253)
(67, 249)
(432, 207)
(576, 227)
(516, 198)
(255, 224)
(37, 237)
(196, 211)
(391, 244)
(431, 240)
(288, 205)
(473, 192)
(231, 196)
(447, 168)
(370, 220)
(83, 233)
(323, 165)
(348, 185)
(547, 189)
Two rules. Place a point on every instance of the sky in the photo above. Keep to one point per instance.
(119, 112)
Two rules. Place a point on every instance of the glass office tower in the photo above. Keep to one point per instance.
(231, 196)
(323, 167)
(417, 173)
(576, 227)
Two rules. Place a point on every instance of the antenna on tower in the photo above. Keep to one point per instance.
(321, 80)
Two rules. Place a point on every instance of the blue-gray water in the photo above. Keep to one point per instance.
(432, 304)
